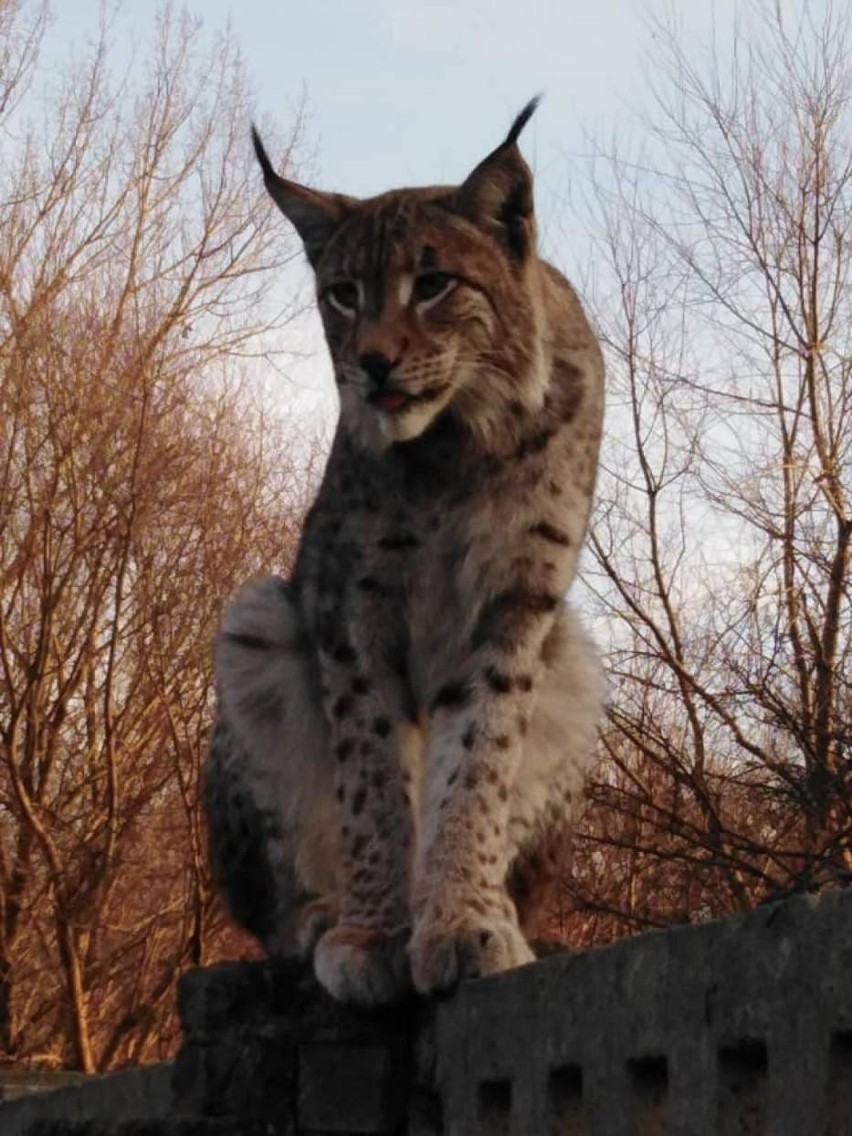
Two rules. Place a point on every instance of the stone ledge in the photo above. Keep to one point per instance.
(134, 1094)
(265, 1043)
(690, 1030)
(738, 1027)
(184, 1127)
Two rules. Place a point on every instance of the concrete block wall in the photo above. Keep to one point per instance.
(742, 1027)
(263, 1043)
(143, 1094)
(17, 1083)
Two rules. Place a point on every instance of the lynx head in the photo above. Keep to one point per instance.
(429, 297)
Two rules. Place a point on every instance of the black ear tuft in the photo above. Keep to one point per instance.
(315, 215)
(261, 154)
(521, 121)
(498, 194)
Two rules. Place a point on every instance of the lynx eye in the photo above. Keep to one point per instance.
(431, 285)
(344, 296)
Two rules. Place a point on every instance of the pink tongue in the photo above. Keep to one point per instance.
(391, 401)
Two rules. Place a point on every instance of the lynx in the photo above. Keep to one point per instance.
(405, 725)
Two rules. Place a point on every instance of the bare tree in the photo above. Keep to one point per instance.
(140, 480)
(722, 539)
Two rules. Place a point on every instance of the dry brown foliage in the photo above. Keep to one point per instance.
(140, 482)
(720, 556)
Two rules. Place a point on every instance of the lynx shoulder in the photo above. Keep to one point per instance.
(406, 724)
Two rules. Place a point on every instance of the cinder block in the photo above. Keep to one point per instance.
(351, 1089)
(184, 1127)
(265, 1042)
(246, 998)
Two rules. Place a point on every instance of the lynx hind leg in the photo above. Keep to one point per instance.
(559, 754)
(252, 866)
(275, 772)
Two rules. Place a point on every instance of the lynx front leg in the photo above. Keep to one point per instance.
(363, 959)
(509, 751)
(465, 922)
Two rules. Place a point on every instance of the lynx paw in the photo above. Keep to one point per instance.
(467, 946)
(363, 966)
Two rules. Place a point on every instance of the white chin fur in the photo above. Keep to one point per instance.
(404, 426)
(375, 429)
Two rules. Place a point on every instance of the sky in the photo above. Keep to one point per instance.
(416, 91)
(413, 91)
(407, 92)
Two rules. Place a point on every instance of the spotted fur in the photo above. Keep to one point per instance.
(405, 726)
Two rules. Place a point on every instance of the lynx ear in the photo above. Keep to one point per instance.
(315, 216)
(498, 194)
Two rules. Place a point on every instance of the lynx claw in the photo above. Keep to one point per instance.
(362, 965)
(469, 946)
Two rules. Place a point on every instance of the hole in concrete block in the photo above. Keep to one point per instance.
(565, 1090)
(742, 1090)
(649, 1080)
(349, 1088)
(840, 1085)
(426, 1114)
(495, 1106)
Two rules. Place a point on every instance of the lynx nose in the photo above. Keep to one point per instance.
(376, 367)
